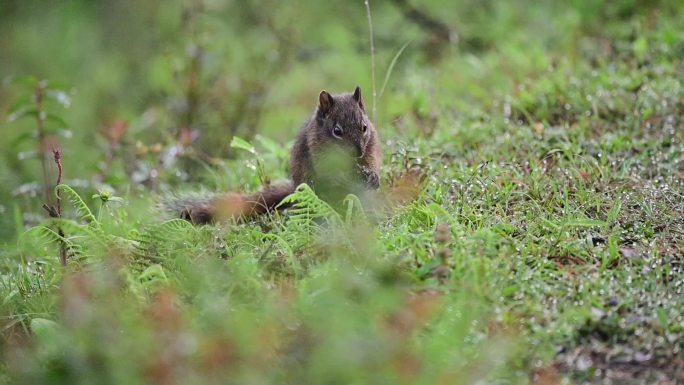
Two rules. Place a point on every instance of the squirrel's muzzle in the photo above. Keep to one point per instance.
(360, 149)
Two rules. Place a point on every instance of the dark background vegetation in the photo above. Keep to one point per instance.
(547, 244)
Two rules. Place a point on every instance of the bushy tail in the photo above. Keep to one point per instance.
(220, 207)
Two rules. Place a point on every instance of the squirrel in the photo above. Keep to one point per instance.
(337, 152)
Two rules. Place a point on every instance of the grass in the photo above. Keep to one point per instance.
(546, 245)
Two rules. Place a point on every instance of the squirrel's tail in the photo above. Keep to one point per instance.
(219, 207)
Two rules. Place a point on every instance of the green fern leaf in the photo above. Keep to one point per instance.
(74, 229)
(173, 229)
(42, 236)
(160, 236)
(82, 209)
(306, 206)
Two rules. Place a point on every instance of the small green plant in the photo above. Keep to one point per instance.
(105, 198)
(34, 104)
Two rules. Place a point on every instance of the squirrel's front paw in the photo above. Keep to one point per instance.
(370, 178)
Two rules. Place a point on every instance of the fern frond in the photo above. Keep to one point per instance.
(306, 206)
(285, 246)
(40, 235)
(162, 235)
(82, 209)
(43, 235)
(171, 230)
(73, 229)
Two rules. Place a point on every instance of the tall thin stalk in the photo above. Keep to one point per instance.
(56, 211)
(57, 155)
(372, 50)
(40, 126)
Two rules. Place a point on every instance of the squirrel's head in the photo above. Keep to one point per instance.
(342, 120)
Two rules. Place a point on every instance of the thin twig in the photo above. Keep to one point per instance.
(372, 49)
(57, 155)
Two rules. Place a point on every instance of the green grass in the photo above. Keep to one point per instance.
(546, 245)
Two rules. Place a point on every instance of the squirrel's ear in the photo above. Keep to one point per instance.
(357, 96)
(325, 102)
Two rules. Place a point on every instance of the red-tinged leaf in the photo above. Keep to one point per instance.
(114, 131)
(187, 136)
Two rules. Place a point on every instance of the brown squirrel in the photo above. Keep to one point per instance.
(336, 153)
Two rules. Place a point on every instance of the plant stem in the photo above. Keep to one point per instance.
(372, 50)
(57, 155)
(99, 211)
(40, 125)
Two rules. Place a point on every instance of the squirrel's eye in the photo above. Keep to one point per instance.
(365, 128)
(337, 131)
